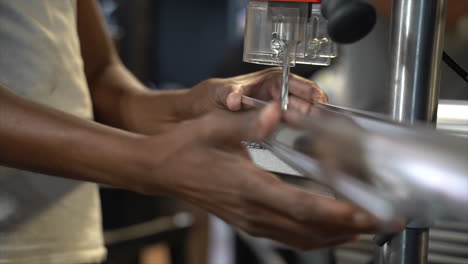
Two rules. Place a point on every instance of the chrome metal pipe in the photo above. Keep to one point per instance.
(392, 170)
(416, 52)
(416, 250)
(418, 28)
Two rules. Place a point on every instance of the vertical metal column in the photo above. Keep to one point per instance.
(417, 42)
(409, 247)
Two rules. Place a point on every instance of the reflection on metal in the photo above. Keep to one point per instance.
(285, 83)
(415, 251)
(416, 51)
(448, 245)
(418, 28)
(393, 170)
(452, 117)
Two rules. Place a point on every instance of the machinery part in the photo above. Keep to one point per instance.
(349, 20)
(307, 27)
(455, 67)
(418, 28)
(415, 249)
(298, 26)
(285, 84)
(452, 117)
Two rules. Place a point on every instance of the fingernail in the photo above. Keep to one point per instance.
(233, 101)
(322, 100)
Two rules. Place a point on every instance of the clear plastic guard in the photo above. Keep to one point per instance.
(274, 29)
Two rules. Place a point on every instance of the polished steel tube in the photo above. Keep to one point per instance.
(415, 250)
(416, 51)
(390, 169)
(386, 167)
(410, 246)
(418, 28)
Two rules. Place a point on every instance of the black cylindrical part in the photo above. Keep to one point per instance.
(349, 20)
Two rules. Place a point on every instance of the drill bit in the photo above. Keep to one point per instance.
(285, 88)
(285, 81)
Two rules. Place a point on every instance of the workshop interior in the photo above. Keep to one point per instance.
(396, 124)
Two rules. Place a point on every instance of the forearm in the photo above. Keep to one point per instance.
(121, 101)
(38, 138)
(115, 92)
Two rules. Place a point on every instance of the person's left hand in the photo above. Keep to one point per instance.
(264, 85)
(151, 112)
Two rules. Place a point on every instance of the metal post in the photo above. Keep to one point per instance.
(417, 41)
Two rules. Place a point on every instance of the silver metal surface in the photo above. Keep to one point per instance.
(418, 28)
(393, 170)
(252, 102)
(416, 50)
(415, 247)
(285, 81)
(452, 117)
(285, 87)
(448, 245)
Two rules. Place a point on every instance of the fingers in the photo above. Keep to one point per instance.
(234, 101)
(299, 104)
(306, 89)
(261, 222)
(329, 215)
(247, 126)
(266, 85)
(298, 86)
(258, 203)
(268, 223)
(309, 244)
(255, 216)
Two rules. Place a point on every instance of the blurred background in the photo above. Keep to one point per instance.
(174, 44)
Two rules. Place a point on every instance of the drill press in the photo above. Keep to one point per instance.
(283, 33)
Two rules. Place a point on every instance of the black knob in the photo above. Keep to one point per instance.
(348, 20)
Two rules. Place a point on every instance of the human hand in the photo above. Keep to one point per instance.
(152, 112)
(264, 85)
(207, 165)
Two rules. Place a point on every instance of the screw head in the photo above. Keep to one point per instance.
(277, 45)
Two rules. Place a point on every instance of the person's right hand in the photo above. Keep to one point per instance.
(208, 166)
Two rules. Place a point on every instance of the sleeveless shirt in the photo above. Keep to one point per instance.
(46, 219)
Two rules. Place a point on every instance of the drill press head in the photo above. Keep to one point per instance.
(303, 31)
(293, 30)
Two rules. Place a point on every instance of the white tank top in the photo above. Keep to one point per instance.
(46, 219)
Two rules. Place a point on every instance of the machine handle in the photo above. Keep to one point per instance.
(348, 20)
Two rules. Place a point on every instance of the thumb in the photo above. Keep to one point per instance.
(234, 100)
(243, 126)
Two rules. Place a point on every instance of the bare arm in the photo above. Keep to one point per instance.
(201, 160)
(116, 92)
(41, 139)
(122, 101)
